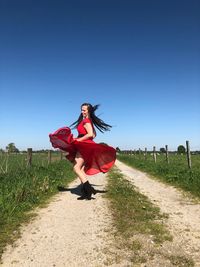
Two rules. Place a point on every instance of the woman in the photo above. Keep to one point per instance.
(87, 156)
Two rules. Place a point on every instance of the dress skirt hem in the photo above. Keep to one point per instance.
(97, 157)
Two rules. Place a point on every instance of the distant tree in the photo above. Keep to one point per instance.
(12, 148)
(162, 150)
(181, 149)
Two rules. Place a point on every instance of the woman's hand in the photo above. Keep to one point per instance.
(75, 139)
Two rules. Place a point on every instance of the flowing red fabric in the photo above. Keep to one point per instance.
(97, 157)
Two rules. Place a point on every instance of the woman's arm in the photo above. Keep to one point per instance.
(89, 134)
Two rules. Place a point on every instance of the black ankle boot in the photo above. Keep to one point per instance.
(89, 190)
(83, 193)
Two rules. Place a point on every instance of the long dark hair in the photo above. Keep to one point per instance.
(98, 123)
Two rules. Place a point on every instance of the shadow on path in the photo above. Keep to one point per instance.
(77, 190)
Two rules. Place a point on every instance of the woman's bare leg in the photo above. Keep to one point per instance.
(79, 168)
(88, 190)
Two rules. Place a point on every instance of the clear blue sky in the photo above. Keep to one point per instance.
(139, 59)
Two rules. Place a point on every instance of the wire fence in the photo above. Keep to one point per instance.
(13, 161)
(154, 153)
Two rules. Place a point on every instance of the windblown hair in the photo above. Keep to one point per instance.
(98, 123)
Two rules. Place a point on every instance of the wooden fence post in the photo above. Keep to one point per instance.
(145, 153)
(29, 157)
(7, 156)
(188, 155)
(139, 153)
(154, 153)
(167, 154)
(49, 156)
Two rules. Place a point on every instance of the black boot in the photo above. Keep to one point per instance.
(83, 193)
(89, 190)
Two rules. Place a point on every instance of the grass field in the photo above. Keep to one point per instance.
(176, 172)
(22, 189)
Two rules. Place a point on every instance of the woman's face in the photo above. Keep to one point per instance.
(84, 111)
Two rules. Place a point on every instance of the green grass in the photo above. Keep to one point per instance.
(176, 172)
(13, 161)
(138, 225)
(132, 211)
(23, 189)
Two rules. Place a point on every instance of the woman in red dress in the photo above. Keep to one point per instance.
(87, 156)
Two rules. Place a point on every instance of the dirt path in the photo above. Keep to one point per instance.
(75, 233)
(69, 232)
(184, 214)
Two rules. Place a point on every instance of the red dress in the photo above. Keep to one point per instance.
(97, 157)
